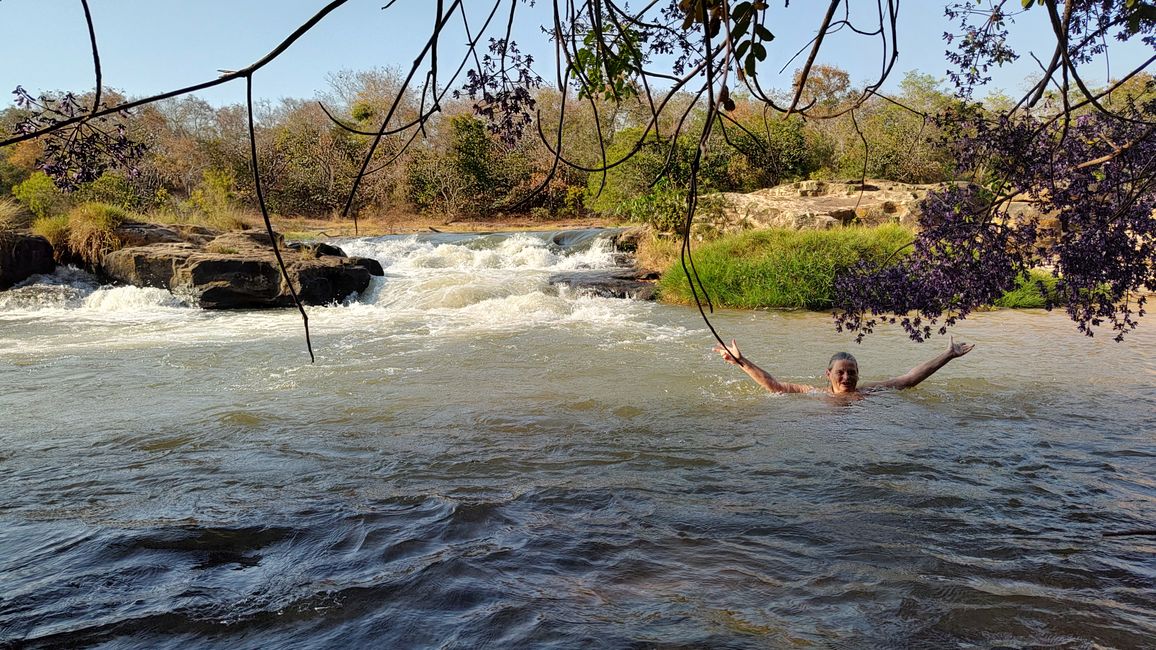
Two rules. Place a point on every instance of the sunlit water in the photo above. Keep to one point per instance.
(479, 461)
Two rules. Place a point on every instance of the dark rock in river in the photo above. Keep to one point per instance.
(238, 270)
(613, 283)
(628, 239)
(321, 249)
(23, 255)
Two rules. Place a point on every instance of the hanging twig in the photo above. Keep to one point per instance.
(265, 215)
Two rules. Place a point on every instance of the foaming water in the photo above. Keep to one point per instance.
(478, 459)
(71, 292)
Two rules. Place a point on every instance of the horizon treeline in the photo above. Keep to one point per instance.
(197, 159)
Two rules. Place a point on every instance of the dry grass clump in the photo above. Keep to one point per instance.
(12, 215)
(657, 252)
(92, 230)
(225, 219)
(55, 230)
(222, 249)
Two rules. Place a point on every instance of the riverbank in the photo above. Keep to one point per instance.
(374, 226)
(781, 268)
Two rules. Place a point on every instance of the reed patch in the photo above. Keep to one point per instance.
(779, 268)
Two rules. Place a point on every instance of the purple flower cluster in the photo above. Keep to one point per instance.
(977, 47)
(80, 152)
(1092, 183)
(501, 89)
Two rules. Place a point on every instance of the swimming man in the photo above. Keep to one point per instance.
(842, 372)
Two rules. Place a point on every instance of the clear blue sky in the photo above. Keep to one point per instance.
(150, 46)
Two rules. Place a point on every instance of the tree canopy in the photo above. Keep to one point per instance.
(668, 80)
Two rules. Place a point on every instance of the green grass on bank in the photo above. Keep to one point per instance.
(1027, 294)
(780, 268)
(788, 269)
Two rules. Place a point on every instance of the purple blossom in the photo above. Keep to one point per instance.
(77, 153)
(1093, 180)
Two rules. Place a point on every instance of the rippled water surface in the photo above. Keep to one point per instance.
(479, 461)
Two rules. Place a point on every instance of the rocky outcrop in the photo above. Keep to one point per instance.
(812, 205)
(238, 270)
(23, 255)
(818, 205)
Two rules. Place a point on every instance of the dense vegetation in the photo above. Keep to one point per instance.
(195, 163)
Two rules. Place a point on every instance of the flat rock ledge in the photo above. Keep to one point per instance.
(235, 270)
(614, 283)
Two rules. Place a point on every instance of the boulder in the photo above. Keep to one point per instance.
(237, 270)
(225, 281)
(318, 249)
(23, 255)
(628, 239)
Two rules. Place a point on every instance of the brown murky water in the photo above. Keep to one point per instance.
(477, 461)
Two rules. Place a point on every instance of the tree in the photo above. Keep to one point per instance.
(1094, 170)
(1077, 158)
(898, 138)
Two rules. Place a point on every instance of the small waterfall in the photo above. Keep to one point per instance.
(502, 277)
(71, 289)
(435, 283)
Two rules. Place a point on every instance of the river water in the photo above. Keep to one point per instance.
(477, 460)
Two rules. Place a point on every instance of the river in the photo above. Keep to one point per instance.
(479, 460)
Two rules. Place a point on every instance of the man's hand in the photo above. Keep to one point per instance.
(956, 350)
(731, 353)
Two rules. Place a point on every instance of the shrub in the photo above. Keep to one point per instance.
(41, 196)
(634, 178)
(91, 230)
(763, 153)
(216, 191)
(572, 205)
(663, 207)
(780, 268)
(114, 189)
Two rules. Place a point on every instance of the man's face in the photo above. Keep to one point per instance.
(844, 376)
